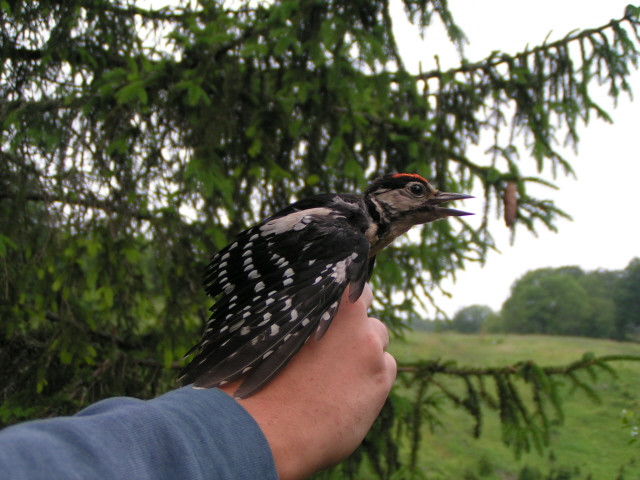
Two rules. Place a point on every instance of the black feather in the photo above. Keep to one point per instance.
(297, 264)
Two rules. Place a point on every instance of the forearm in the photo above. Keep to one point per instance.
(186, 433)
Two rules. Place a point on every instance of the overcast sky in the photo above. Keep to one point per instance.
(603, 200)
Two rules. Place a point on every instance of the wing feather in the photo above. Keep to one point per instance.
(276, 284)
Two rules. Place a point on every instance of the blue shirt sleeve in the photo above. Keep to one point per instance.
(184, 434)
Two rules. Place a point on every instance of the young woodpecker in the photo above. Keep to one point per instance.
(281, 281)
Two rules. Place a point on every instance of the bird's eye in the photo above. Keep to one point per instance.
(418, 189)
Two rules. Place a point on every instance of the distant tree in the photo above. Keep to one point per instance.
(546, 301)
(627, 300)
(564, 301)
(473, 319)
(600, 286)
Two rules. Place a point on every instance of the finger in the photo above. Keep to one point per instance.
(381, 331)
(391, 367)
(367, 296)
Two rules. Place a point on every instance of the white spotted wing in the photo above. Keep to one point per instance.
(279, 283)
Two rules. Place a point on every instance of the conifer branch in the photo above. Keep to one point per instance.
(425, 368)
(497, 58)
(524, 417)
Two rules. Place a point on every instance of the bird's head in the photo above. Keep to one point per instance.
(409, 199)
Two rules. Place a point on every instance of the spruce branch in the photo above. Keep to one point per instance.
(427, 367)
(525, 394)
(498, 58)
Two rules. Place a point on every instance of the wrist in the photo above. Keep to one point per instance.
(281, 422)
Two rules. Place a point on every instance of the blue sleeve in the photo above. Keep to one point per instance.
(184, 434)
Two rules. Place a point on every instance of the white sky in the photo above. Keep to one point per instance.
(603, 200)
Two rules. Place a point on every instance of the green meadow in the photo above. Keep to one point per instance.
(589, 443)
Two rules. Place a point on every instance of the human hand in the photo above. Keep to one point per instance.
(316, 412)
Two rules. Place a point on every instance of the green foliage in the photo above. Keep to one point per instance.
(627, 301)
(568, 301)
(630, 421)
(473, 319)
(135, 142)
(585, 434)
(546, 301)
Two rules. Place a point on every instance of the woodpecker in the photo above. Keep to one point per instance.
(280, 281)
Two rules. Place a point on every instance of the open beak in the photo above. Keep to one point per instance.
(443, 197)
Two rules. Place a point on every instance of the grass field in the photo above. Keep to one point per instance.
(591, 443)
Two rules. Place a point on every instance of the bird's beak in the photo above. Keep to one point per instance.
(443, 197)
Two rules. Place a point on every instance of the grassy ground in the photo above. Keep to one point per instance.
(591, 441)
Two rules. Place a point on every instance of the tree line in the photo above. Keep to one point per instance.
(562, 301)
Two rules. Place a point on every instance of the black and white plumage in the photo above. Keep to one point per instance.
(280, 282)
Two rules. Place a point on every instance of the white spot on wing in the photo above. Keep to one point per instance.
(236, 326)
(259, 286)
(288, 272)
(254, 274)
(266, 317)
(245, 330)
(274, 329)
(340, 271)
(288, 222)
(287, 282)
